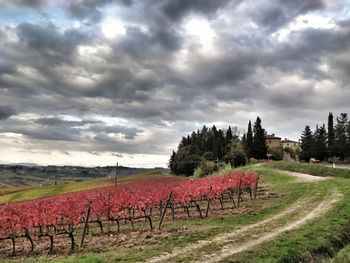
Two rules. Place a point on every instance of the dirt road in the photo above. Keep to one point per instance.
(306, 177)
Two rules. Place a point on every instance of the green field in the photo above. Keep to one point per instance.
(322, 239)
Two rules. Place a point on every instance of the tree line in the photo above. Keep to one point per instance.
(209, 147)
(332, 141)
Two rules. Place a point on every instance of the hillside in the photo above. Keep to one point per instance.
(295, 218)
(23, 175)
(10, 194)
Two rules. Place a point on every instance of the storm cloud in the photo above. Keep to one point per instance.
(130, 77)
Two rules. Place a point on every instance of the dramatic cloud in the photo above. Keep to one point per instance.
(6, 112)
(128, 78)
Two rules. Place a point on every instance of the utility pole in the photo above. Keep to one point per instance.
(116, 176)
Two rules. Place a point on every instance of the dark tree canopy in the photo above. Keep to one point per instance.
(306, 144)
(249, 141)
(207, 144)
(327, 143)
(330, 135)
(259, 149)
(319, 149)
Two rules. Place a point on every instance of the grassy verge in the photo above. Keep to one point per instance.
(343, 256)
(313, 169)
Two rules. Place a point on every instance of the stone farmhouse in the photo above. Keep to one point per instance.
(273, 141)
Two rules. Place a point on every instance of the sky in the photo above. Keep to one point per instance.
(95, 82)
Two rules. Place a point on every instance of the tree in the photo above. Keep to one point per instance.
(205, 144)
(319, 149)
(276, 152)
(348, 137)
(236, 155)
(330, 135)
(341, 140)
(259, 149)
(249, 141)
(229, 136)
(220, 142)
(306, 144)
(172, 161)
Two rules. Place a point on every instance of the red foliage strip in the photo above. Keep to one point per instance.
(111, 203)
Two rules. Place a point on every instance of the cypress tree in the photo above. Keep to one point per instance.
(229, 135)
(330, 136)
(220, 142)
(259, 149)
(249, 141)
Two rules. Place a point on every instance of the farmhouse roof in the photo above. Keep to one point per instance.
(272, 136)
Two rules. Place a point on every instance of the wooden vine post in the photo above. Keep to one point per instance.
(256, 188)
(208, 205)
(165, 208)
(85, 225)
(239, 191)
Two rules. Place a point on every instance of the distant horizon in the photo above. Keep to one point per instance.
(29, 165)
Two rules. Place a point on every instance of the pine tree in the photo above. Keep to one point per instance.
(340, 144)
(229, 136)
(259, 149)
(249, 141)
(172, 161)
(220, 141)
(319, 149)
(306, 144)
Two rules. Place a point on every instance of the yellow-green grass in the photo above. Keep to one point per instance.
(21, 194)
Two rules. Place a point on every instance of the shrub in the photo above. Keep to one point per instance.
(277, 153)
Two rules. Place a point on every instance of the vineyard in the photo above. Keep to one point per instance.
(146, 202)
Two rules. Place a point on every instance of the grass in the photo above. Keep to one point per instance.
(343, 256)
(314, 242)
(313, 169)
